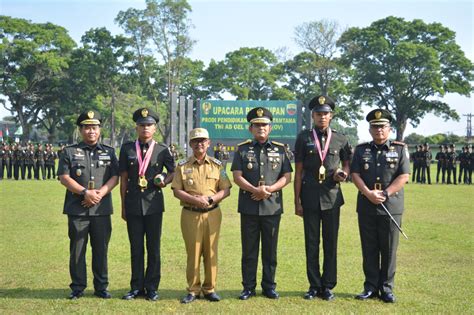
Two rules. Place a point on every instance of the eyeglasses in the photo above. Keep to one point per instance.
(375, 127)
(199, 140)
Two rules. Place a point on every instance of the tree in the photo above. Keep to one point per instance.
(30, 54)
(402, 66)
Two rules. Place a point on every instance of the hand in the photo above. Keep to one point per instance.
(299, 209)
(260, 193)
(339, 176)
(92, 196)
(376, 197)
(201, 201)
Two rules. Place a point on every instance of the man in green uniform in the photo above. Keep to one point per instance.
(261, 169)
(141, 181)
(319, 154)
(200, 184)
(89, 171)
(380, 169)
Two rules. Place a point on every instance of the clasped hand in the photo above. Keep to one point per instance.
(376, 196)
(261, 193)
(91, 198)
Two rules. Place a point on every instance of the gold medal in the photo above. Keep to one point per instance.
(322, 174)
(250, 166)
(190, 181)
(78, 172)
(366, 166)
(392, 165)
(142, 182)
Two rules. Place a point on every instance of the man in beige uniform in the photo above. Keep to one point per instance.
(201, 183)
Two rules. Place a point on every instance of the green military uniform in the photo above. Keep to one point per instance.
(260, 164)
(321, 199)
(378, 166)
(144, 206)
(91, 167)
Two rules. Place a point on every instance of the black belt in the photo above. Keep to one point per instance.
(202, 210)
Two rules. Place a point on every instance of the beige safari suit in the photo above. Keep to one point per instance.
(201, 229)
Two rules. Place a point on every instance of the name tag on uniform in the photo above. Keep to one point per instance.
(391, 154)
(273, 154)
(77, 157)
(188, 171)
(104, 157)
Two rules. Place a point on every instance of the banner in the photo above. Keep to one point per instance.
(228, 119)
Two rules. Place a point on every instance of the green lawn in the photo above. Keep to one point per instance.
(435, 266)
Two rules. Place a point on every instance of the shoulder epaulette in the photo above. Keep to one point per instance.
(278, 143)
(182, 162)
(363, 143)
(108, 146)
(215, 160)
(68, 146)
(245, 142)
(162, 144)
(398, 142)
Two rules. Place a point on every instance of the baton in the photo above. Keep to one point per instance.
(393, 220)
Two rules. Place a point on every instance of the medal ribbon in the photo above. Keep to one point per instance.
(143, 162)
(317, 145)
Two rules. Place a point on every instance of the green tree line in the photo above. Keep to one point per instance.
(47, 79)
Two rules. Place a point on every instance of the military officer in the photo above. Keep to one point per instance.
(15, 160)
(451, 158)
(39, 157)
(30, 160)
(470, 162)
(141, 181)
(439, 157)
(2, 160)
(261, 169)
(380, 169)
(416, 164)
(200, 184)
(463, 158)
(7, 161)
(49, 161)
(89, 171)
(322, 157)
(425, 164)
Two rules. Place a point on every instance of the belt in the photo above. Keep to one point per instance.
(378, 186)
(202, 210)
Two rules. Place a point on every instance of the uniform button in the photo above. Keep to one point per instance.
(378, 164)
(261, 176)
(379, 152)
(92, 165)
(378, 178)
(261, 163)
(92, 153)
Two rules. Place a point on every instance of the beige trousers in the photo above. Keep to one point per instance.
(201, 234)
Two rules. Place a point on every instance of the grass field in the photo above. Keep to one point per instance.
(435, 266)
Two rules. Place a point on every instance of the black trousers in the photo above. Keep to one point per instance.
(16, 170)
(253, 228)
(29, 168)
(139, 228)
(313, 220)
(379, 238)
(99, 228)
(425, 174)
(2, 167)
(40, 167)
(451, 171)
(416, 172)
(440, 168)
(8, 168)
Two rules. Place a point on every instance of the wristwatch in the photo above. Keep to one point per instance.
(385, 193)
(83, 192)
(210, 200)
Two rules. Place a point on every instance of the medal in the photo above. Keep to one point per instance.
(250, 166)
(142, 182)
(91, 184)
(322, 174)
(190, 181)
(78, 172)
(392, 165)
(366, 166)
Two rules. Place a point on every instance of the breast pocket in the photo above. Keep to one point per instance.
(77, 169)
(212, 179)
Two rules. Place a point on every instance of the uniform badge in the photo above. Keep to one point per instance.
(249, 165)
(392, 165)
(78, 172)
(259, 112)
(366, 166)
(90, 114)
(378, 114)
(190, 181)
(144, 112)
(321, 100)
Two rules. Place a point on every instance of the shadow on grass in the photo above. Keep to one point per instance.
(165, 294)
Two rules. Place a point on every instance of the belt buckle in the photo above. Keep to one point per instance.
(378, 186)
(261, 183)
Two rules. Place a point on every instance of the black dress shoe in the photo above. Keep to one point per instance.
(103, 294)
(152, 295)
(75, 294)
(311, 294)
(387, 297)
(188, 298)
(271, 294)
(213, 297)
(326, 294)
(246, 294)
(133, 294)
(367, 294)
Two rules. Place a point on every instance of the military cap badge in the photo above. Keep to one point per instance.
(144, 112)
(259, 112)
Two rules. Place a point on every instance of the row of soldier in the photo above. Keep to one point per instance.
(28, 161)
(447, 160)
(261, 168)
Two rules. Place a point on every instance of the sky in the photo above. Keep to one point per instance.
(224, 26)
